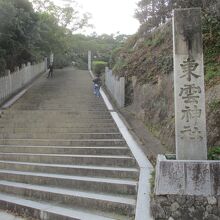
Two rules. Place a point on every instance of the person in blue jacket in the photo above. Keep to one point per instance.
(96, 85)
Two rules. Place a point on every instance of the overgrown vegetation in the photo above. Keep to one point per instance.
(147, 58)
(100, 47)
(214, 153)
(214, 105)
(148, 53)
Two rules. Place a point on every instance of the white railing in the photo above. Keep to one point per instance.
(12, 82)
(116, 87)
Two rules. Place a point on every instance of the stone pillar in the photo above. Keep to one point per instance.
(8, 72)
(190, 120)
(45, 63)
(51, 58)
(122, 91)
(106, 69)
(16, 69)
(8, 83)
(23, 66)
(89, 60)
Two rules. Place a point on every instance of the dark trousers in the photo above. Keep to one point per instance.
(50, 74)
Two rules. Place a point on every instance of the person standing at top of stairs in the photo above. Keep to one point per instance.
(50, 74)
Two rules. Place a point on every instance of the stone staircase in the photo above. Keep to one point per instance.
(62, 156)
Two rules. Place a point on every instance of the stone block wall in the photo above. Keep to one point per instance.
(183, 207)
(182, 177)
(186, 190)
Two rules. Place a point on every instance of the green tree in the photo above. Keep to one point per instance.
(18, 22)
(152, 13)
(67, 16)
(29, 35)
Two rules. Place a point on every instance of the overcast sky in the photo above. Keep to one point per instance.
(111, 16)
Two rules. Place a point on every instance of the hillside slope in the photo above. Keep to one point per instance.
(146, 61)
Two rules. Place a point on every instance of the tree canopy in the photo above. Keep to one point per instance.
(152, 13)
(30, 31)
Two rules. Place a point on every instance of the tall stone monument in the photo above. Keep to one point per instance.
(190, 120)
(190, 177)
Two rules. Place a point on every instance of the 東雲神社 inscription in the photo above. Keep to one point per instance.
(190, 120)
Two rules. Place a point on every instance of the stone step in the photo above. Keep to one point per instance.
(60, 97)
(56, 119)
(93, 129)
(64, 142)
(54, 116)
(60, 101)
(94, 184)
(61, 121)
(68, 169)
(97, 160)
(47, 135)
(41, 210)
(55, 113)
(46, 124)
(42, 113)
(68, 115)
(53, 102)
(62, 155)
(62, 106)
(104, 202)
(50, 99)
(65, 150)
(80, 108)
(59, 105)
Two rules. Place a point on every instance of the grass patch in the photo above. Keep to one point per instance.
(214, 153)
(214, 105)
(153, 129)
(212, 71)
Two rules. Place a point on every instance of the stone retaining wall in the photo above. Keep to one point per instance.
(192, 177)
(116, 87)
(186, 189)
(178, 207)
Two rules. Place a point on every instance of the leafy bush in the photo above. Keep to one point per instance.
(61, 61)
(119, 65)
(2, 66)
(98, 66)
(81, 63)
(214, 153)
